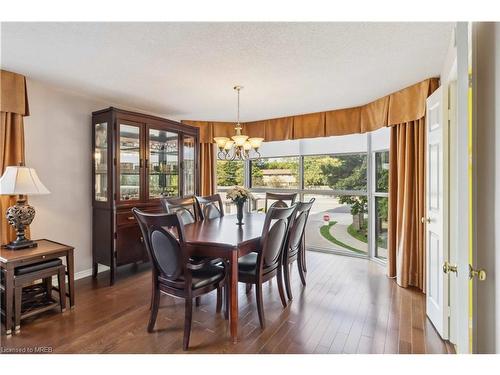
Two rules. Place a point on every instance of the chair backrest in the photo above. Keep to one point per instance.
(281, 200)
(297, 226)
(164, 247)
(273, 237)
(210, 207)
(186, 207)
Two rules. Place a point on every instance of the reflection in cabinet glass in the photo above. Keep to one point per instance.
(189, 165)
(101, 162)
(130, 172)
(163, 164)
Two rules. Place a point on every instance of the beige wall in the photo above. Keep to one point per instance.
(58, 142)
(488, 185)
(58, 145)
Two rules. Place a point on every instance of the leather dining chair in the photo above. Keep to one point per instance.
(295, 244)
(187, 207)
(265, 264)
(175, 273)
(280, 200)
(210, 207)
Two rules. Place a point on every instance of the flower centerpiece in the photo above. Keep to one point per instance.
(239, 195)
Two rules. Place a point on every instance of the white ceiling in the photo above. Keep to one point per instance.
(187, 70)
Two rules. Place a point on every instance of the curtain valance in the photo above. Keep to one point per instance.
(13, 93)
(402, 106)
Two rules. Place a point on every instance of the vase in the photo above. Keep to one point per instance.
(239, 212)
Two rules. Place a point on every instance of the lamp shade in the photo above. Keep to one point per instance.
(21, 181)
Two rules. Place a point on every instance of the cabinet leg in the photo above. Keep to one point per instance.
(94, 270)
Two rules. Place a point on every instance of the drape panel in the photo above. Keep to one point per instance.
(207, 169)
(406, 241)
(13, 106)
(11, 153)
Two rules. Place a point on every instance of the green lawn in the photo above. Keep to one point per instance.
(359, 235)
(325, 232)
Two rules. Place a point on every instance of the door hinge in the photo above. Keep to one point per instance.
(470, 80)
(449, 311)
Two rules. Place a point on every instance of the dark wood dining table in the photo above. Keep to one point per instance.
(223, 238)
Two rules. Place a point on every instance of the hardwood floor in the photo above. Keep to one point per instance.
(348, 306)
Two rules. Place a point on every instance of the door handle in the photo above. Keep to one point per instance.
(480, 274)
(447, 268)
(425, 220)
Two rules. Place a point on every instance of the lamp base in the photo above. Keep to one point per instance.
(20, 216)
(18, 245)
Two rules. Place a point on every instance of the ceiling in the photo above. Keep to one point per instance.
(187, 70)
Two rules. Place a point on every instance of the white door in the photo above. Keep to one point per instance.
(435, 231)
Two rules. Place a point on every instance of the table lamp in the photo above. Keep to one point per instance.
(21, 181)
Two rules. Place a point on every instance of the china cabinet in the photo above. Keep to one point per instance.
(137, 159)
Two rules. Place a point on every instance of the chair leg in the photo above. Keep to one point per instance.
(248, 288)
(219, 300)
(303, 251)
(260, 305)
(18, 296)
(188, 315)
(279, 279)
(287, 271)
(61, 281)
(300, 266)
(155, 303)
(198, 301)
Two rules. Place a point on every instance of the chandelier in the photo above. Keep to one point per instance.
(239, 146)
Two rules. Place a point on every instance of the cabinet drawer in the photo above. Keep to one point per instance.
(125, 217)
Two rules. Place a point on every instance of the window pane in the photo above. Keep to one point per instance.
(163, 164)
(338, 223)
(101, 162)
(275, 173)
(335, 172)
(189, 166)
(382, 171)
(130, 170)
(381, 206)
(229, 174)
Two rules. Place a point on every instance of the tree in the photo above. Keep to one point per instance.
(229, 173)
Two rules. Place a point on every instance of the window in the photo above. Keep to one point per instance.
(381, 202)
(338, 223)
(275, 173)
(335, 172)
(381, 210)
(382, 171)
(229, 174)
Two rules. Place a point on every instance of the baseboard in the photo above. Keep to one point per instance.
(85, 273)
(88, 272)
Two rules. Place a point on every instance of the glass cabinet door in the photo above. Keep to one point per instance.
(101, 162)
(189, 166)
(129, 162)
(163, 165)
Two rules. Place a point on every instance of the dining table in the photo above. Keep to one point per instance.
(224, 238)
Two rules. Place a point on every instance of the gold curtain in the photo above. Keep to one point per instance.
(399, 107)
(406, 258)
(207, 169)
(13, 106)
